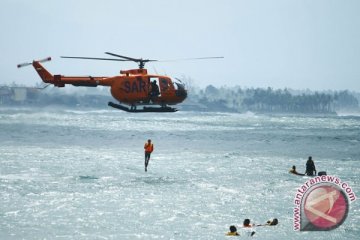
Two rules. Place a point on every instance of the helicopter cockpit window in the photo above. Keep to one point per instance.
(165, 84)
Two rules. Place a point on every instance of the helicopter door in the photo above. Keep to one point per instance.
(154, 88)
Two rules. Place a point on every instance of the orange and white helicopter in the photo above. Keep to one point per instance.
(134, 87)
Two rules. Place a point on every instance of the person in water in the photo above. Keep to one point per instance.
(149, 148)
(310, 167)
(293, 170)
(272, 222)
(233, 231)
(246, 224)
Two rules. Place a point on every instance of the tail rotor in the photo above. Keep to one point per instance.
(29, 63)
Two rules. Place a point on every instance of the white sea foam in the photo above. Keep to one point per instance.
(80, 174)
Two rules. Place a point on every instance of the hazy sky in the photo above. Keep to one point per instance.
(297, 44)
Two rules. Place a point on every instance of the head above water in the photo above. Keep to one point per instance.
(294, 167)
(149, 140)
(246, 222)
(274, 222)
(233, 228)
(310, 158)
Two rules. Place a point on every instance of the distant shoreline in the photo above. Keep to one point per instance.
(235, 100)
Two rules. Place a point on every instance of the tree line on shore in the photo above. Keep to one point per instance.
(275, 101)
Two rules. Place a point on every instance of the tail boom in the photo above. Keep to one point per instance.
(61, 81)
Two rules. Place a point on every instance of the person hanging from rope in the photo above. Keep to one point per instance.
(149, 148)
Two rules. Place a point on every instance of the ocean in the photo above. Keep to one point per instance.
(79, 174)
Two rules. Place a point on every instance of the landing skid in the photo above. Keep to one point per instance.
(145, 109)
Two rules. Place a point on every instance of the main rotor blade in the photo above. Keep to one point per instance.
(138, 60)
(117, 55)
(131, 59)
(188, 59)
(92, 58)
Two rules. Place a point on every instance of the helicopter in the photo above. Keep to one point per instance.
(133, 88)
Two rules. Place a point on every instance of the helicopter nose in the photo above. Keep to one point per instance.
(182, 93)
